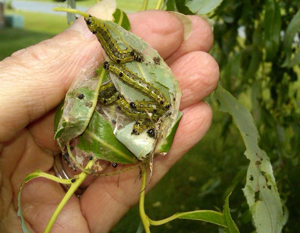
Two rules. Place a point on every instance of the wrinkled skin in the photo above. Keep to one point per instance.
(34, 80)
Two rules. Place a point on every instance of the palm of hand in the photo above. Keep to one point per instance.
(35, 80)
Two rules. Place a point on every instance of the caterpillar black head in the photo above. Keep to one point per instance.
(88, 20)
(151, 133)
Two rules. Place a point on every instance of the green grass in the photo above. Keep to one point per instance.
(37, 27)
(132, 5)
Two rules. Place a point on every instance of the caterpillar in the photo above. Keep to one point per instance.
(109, 44)
(141, 125)
(108, 94)
(143, 112)
(148, 106)
(138, 83)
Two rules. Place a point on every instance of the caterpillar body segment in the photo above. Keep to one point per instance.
(140, 84)
(109, 44)
(108, 94)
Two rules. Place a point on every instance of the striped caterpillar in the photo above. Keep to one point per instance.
(146, 113)
(138, 83)
(109, 44)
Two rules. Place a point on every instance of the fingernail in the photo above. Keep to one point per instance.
(103, 10)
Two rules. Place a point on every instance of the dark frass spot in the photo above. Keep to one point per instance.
(113, 121)
(156, 60)
(114, 165)
(89, 104)
(90, 157)
(73, 180)
(80, 96)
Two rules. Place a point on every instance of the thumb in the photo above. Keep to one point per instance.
(34, 80)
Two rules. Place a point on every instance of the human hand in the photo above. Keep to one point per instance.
(33, 82)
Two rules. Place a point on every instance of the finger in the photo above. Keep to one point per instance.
(198, 75)
(111, 200)
(201, 39)
(35, 80)
(42, 131)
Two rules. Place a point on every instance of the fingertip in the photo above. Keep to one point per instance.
(165, 30)
(201, 39)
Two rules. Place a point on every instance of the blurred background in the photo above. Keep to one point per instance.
(259, 60)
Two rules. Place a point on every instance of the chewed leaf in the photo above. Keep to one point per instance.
(79, 106)
(29, 177)
(260, 190)
(232, 228)
(137, 74)
(154, 71)
(105, 9)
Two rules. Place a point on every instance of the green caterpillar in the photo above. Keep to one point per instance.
(144, 112)
(109, 44)
(138, 83)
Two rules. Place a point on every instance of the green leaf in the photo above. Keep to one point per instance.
(260, 190)
(210, 216)
(294, 61)
(121, 18)
(232, 228)
(78, 107)
(171, 5)
(28, 178)
(201, 7)
(99, 140)
(272, 26)
(182, 8)
(289, 38)
(256, 57)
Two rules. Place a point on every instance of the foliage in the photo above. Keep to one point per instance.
(257, 48)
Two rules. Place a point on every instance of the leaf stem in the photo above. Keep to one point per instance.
(144, 217)
(145, 5)
(70, 10)
(79, 179)
(159, 4)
